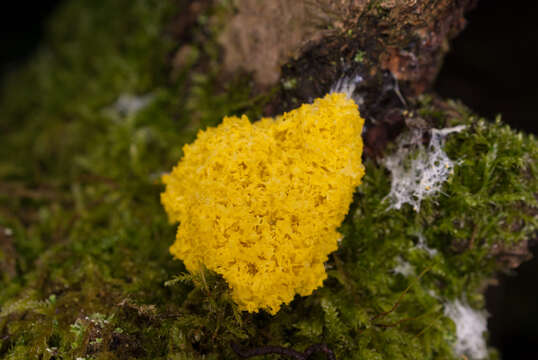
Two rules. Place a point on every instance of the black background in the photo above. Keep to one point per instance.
(492, 68)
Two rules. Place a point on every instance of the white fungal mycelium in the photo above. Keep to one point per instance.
(128, 104)
(347, 85)
(403, 267)
(470, 328)
(418, 171)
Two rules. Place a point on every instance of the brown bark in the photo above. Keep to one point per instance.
(396, 47)
(314, 42)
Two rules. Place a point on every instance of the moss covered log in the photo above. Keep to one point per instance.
(102, 110)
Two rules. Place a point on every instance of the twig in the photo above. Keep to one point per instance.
(265, 350)
(397, 303)
(426, 328)
(473, 236)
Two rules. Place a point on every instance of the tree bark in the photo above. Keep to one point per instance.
(395, 47)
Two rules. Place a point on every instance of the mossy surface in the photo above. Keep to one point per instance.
(80, 214)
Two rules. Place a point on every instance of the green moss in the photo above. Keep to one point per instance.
(80, 192)
(359, 56)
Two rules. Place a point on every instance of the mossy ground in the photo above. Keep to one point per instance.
(80, 213)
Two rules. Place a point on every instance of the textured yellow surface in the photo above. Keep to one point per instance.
(260, 202)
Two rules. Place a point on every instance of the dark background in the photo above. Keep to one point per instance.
(491, 68)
